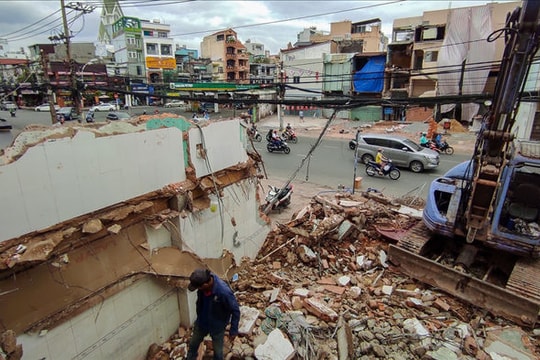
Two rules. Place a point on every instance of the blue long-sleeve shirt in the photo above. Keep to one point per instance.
(216, 309)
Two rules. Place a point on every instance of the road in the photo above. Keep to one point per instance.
(332, 164)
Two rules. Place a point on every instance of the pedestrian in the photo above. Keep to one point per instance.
(216, 307)
(301, 115)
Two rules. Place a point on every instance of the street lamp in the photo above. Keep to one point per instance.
(91, 61)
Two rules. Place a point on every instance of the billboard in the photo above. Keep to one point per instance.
(160, 63)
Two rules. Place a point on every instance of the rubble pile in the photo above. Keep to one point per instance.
(322, 288)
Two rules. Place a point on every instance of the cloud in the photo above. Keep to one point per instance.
(273, 23)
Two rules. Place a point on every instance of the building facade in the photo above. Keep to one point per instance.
(127, 40)
(422, 45)
(158, 50)
(362, 36)
(230, 59)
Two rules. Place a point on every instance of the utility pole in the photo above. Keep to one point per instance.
(50, 96)
(85, 9)
(281, 94)
(75, 95)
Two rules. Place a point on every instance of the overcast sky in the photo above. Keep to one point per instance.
(272, 23)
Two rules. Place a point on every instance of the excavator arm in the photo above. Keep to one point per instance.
(521, 36)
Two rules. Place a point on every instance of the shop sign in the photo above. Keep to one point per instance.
(160, 63)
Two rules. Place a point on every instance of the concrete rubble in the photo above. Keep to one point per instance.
(322, 284)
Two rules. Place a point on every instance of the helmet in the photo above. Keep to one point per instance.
(380, 149)
(424, 133)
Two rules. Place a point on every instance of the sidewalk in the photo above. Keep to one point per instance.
(462, 141)
(308, 123)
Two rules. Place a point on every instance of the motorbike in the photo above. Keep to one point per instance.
(253, 133)
(445, 148)
(431, 145)
(12, 112)
(289, 135)
(373, 168)
(282, 146)
(90, 117)
(283, 197)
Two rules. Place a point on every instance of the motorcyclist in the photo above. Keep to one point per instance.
(12, 112)
(90, 117)
(288, 131)
(381, 160)
(276, 139)
(423, 140)
(438, 140)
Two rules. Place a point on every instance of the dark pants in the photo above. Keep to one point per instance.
(198, 336)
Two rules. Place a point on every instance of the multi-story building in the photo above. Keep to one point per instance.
(449, 39)
(81, 52)
(128, 45)
(357, 37)
(262, 72)
(302, 68)
(190, 68)
(304, 37)
(230, 59)
(255, 49)
(158, 49)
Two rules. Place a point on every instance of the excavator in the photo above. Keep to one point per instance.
(479, 238)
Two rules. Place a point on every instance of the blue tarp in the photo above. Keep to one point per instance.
(371, 77)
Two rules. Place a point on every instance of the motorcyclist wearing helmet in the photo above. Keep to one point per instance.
(423, 140)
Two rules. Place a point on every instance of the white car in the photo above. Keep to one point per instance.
(103, 107)
(175, 103)
(46, 107)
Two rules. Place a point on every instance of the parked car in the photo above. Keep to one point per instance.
(7, 105)
(69, 113)
(402, 151)
(46, 107)
(118, 115)
(175, 103)
(103, 107)
(5, 125)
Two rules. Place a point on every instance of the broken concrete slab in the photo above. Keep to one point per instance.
(276, 347)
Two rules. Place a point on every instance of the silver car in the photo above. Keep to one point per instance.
(402, 151)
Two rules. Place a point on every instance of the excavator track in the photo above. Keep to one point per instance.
(525, 279)
(519, 301)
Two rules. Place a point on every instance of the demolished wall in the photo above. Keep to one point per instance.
(122, 221)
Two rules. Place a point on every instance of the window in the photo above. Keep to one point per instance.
(139, 70)
(220, 37)
(133, 55)
(162, 34)
(296, 79)
(431, 56)
(131, 41)
(148, 33)
(152, 49)
(165, 49)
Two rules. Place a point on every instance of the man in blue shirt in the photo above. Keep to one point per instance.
(216, 307)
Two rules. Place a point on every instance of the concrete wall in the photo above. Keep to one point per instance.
(210, 231)
(121, 327)
(220, 154)
(64, 178)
